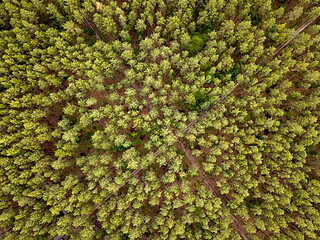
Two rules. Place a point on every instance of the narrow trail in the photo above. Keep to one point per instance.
(299, 30)
(211, 188)
(92, 28)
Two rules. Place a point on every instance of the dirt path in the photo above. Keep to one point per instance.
(299, 30)
(211, 188)
(92, 28)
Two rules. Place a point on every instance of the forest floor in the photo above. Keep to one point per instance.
(210, 183)
(180, 145)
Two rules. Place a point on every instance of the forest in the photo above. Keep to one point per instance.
(159, 119)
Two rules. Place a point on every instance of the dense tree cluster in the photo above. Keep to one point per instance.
(159, 119)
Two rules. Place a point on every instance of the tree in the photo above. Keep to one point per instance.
(140, 26)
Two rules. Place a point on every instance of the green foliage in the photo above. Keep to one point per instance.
(136, 142)
(118, 148)
(197, 44)
(88, 31)
(200, 98)
(255, 18)
(117, 121)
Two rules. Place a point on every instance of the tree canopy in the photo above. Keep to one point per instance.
(159, 119)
